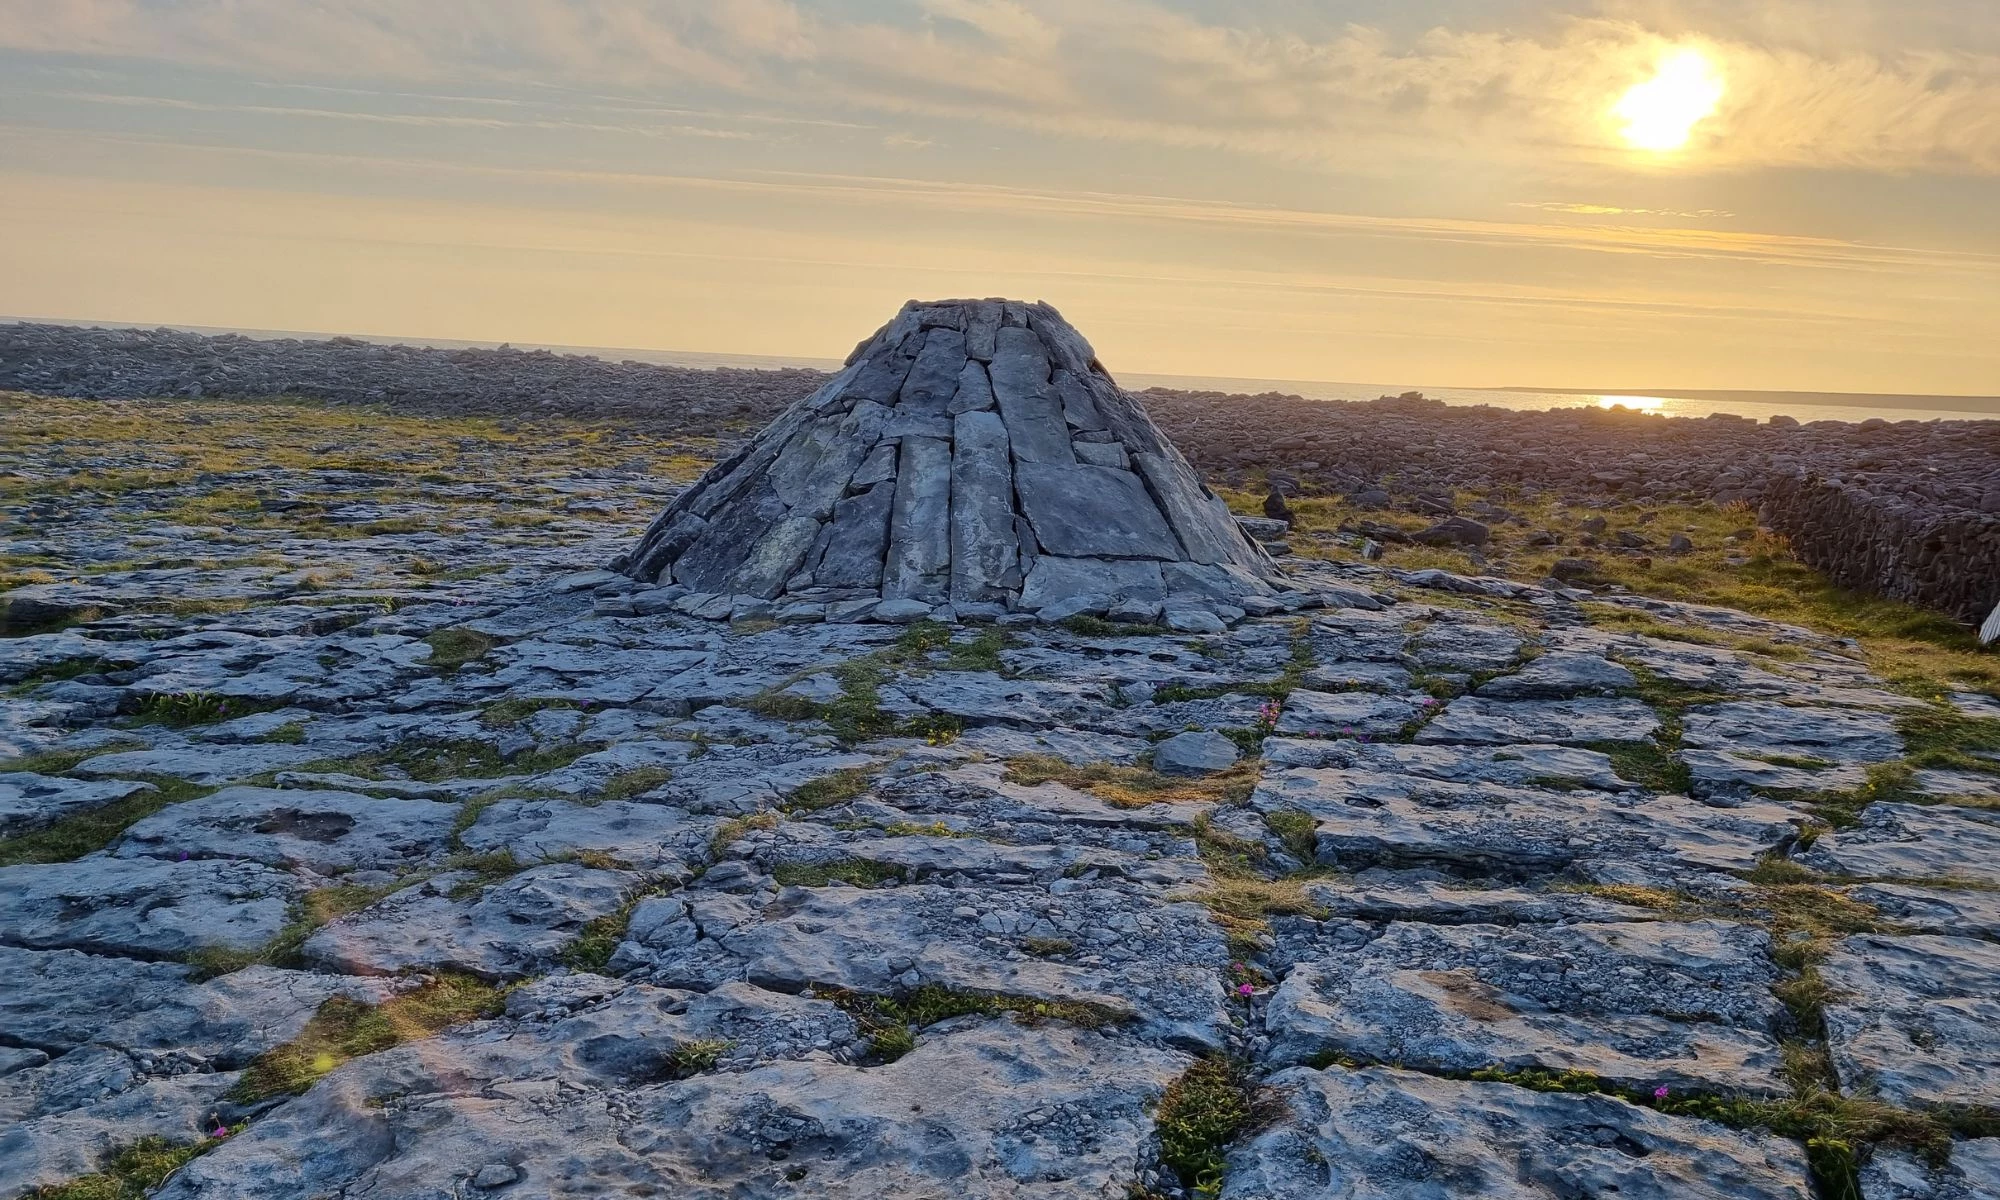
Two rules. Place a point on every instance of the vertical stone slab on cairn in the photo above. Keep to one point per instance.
(971, 451)
(919, 562)
(984, 564)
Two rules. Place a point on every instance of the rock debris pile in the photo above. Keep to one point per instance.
(973, 458)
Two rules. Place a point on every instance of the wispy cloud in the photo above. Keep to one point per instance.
(1613, 210)
(1134, 69)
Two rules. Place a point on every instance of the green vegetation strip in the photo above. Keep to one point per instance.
(345, 1029)
(133, 1172)
(890, 1023)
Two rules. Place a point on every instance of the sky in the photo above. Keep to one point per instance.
(1560, 193)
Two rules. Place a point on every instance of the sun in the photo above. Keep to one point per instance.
(1661, 113)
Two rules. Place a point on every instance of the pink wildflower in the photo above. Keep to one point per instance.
(1660, 1093)
(1244, 989)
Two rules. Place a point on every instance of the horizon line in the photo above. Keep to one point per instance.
(796, 361)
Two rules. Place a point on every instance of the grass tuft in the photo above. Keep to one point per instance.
(1136, 787)
(1208, 1107)
(345, 1029)
(133, 1172)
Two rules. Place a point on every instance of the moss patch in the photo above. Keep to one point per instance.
(133, 1172)
(346, 1029)
(1136, 787)
(1208, 1107)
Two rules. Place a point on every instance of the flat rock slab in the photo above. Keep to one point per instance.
(1465, 646)
(1350, 714)
(1480, 721)
(651, 837)
(207, 766)
(1561, 676)
(1915, 841)
(1520, 766)
(1720, 773)
(1972, 1174)
(1639, 1003)
(327, 831)
(513, 928)
(1966, 912)
(988, 1111)
(56, 1000)
(1383, 896)
(144, 906)
(1382, 1134)
(1916, 1018)
(108, 1109)
(29, 801)
(1377, 817)
(1076, 746)
(1835, 734)
(1160, 962)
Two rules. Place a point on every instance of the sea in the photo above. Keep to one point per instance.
(1670, 402)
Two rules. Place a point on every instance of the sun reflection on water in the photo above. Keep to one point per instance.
(1644, 404)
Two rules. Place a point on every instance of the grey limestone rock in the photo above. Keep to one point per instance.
(1480, 721)
(513, 928)
(1972, 1174)
(29, 801)
(1641, 1003)
(1561, 676)
(1382, 1134)
(943, 464)
(327, 831)
(1195, 753)
(144, 906)
(1916, 1019)
(1915, 841)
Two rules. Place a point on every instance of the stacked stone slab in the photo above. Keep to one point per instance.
(971, 459)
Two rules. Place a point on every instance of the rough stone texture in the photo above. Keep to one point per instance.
(1915, 841)
(146, 907)
(1972, 1174)
(327, 831)
(1640, 1003)
(1195, 753)
(1917, 1018)
(979, 1112)
(29, 801)
(512, 929)
(1481, 721)
(987, 482)
(1367, 816)
(757, 853)
(1396, 1135)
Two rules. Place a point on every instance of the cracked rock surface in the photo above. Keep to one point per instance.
(805, 906)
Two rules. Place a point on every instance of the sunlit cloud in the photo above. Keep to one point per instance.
(1130, 70)
(1660, 114)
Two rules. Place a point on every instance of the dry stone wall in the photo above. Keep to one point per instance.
(1934, 556)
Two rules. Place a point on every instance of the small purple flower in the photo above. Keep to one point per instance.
(184, 856)
(1660, 1093)
(1244, 989)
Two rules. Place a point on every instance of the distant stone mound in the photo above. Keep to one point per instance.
(971, 459)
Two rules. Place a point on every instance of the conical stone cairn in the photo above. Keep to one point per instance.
(971, 460)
